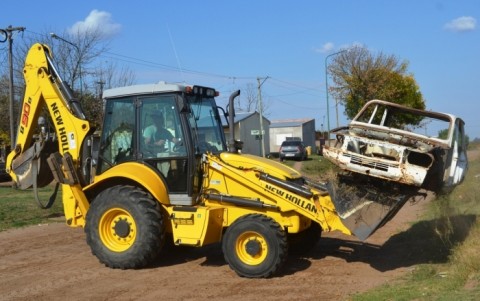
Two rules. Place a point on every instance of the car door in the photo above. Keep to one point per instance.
(458, 165)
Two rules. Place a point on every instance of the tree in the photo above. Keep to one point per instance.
(93, 108)
(443, 134)
(5, 107)
(359, 76)
(249, 102)
(110, 75)
(77, 61)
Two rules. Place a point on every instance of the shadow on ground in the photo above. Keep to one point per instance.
(425, 242)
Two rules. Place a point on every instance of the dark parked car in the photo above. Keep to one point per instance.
(293, 149)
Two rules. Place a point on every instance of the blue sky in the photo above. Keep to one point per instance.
(229, 44)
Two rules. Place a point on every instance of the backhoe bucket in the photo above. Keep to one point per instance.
(364, 208)
(32, 165)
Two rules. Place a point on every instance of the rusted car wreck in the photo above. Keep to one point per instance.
(392, 142)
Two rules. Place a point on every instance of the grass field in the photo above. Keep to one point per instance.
(451, 233)
(18, 208)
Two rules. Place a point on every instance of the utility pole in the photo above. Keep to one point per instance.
(8, 33)
(100, 86)
(326, 88)
(260, 111)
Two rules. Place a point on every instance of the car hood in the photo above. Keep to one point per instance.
(392, 135)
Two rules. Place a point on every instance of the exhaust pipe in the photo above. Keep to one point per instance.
(233, 145)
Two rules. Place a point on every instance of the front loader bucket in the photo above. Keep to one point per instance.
(33, 164)
(364, 208)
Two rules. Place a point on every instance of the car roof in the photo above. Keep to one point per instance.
(292, 142)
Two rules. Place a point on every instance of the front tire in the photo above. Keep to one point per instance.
(125, 228)
(255, 246)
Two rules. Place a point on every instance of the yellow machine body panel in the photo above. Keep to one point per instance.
(136, 172)
(247, 162)
(288, 207)
(198, 227)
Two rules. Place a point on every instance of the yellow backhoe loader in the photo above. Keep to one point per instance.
(162, 170)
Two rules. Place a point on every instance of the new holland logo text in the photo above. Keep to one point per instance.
(292, 198)
(61, 130)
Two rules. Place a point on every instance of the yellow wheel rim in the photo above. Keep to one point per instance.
(117, 230)
(252, 248)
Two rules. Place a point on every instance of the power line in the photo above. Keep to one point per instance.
(133, 60)
(316, 89)
(296, 91)
(295, 105)
(147, 63)
(284, 84)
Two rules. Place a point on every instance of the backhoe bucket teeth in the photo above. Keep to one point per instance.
(33, 163)
(364, 208)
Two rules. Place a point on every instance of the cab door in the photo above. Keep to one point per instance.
(162, 144)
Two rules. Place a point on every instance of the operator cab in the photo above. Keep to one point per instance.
(167, 126)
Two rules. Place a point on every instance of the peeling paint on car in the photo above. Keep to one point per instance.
(395, 143)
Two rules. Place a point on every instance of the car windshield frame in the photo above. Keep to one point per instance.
(396, 118)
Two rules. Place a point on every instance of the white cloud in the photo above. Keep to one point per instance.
(352, 45)
(461, 24)
(327, 47)
(96, 20)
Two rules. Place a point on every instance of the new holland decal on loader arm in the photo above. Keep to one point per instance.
(162, 170)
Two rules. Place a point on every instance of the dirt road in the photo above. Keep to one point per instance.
(53, 262)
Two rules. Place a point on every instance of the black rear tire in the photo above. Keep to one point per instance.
(125, 228)
(255, 246)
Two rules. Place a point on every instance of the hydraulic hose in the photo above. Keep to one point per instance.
(242, 202)
(292, 187)
(67, 93)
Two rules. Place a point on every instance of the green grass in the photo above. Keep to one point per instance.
(449, 234)
(18, 208)
(318, 167)
(315, 166)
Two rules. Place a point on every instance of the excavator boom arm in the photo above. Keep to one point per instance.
(44, 86)
(47, 94)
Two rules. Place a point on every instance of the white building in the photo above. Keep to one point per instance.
(281, 130)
